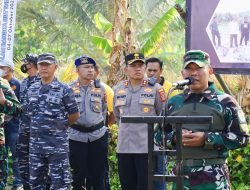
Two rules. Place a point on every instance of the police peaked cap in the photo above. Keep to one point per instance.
(84, 60)
(131, 58)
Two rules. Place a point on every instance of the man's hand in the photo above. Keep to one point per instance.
(2, 97)
(191, 139)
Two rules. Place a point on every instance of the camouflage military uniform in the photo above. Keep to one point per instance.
(210, 171)
(11, 132)
(49, 107)
(24, 133)
(11, 107)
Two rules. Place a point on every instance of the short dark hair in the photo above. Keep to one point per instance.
(154, 59)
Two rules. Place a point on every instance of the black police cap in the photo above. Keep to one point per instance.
(131, 58)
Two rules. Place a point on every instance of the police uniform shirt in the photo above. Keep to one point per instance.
(49, 107)
(144, 101)
(93, 108)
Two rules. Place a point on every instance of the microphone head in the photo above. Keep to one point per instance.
(190, 79)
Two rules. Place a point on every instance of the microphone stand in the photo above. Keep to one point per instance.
(165, 113)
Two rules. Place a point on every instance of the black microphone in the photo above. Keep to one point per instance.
(181, 83)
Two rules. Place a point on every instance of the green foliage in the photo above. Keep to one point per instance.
(114, 179)
(154, 36)
(102, 23)
(72, 28)
(239, 167)
(102, 43)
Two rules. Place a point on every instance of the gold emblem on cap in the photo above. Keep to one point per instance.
(146, 110)
(84, 60)
(136, 55)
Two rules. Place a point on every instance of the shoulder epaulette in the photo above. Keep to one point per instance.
(144, 82)
(126, 83)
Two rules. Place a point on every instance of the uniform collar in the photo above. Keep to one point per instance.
(78, 83)
(53, 84)
(144, 83)
(208, 93)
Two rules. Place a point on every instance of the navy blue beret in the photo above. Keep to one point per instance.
(84, 60)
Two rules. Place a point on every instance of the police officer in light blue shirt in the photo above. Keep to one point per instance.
(52, 108)
(88, 136)
(135, 97)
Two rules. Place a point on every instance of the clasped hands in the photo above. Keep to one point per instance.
(192, 139)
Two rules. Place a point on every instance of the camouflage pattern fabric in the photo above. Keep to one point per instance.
(11, 107)
(3, 166)
(58, 167)
(49, 107)
(24, 133)
(234, 135)
(206, 178)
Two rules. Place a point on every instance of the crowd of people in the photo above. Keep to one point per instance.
(58, 133)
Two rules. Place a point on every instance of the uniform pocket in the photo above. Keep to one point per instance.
(95, 104)
(146, 106)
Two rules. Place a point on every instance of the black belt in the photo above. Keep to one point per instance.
(85, 129)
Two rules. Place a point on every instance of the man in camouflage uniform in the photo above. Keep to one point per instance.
(88, 136)
(11, 125)
(135, 97)
(8, 105)
(29, 66)
(206, 147)
(52, 108)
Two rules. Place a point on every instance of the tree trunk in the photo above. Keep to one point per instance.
(123, 28)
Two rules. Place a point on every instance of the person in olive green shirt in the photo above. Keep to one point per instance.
(9, 105)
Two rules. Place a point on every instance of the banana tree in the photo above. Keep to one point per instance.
(72, 28)
(125, 30)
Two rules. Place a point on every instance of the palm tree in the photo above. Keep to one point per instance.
(67, 27)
